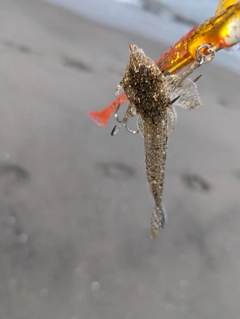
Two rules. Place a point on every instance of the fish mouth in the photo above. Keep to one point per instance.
(133, 49)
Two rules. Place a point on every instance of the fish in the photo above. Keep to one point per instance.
(221, 31)
(151, 96)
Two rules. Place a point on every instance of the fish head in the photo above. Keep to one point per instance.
(140, 65)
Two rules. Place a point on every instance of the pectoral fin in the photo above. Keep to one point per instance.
(171, 119)
(187, 90)
(140, 125)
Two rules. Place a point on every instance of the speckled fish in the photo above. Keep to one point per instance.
(151, 95)
(219, 32)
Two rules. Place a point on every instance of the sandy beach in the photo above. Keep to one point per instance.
(74, 201)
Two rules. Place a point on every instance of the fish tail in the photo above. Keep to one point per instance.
(158, 220)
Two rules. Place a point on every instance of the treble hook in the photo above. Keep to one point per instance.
(130, 113)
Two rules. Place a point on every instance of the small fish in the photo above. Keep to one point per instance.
(151, 95)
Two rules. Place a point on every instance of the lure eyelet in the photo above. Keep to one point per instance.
(203, 58)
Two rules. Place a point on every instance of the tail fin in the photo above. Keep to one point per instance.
(158, 220)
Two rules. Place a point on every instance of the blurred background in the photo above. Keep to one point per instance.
(75, 204)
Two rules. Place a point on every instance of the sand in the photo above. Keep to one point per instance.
(75, 205)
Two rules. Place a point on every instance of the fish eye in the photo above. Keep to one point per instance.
(143, 69)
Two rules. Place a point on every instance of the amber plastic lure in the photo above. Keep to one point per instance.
(218, 32)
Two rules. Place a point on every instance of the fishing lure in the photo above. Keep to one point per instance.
(218, 32)
(151, 95)
(224, 4)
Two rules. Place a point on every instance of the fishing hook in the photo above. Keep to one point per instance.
(123, 122)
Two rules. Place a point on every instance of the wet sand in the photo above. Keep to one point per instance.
(75, 205)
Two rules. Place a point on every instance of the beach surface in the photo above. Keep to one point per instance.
(74, 201)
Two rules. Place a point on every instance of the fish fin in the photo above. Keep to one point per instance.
(187, 89)
(158, 220)
(172, 79)
(140, 125)
(171, 119)
(189, 97)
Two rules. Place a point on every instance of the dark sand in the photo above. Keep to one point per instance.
(75, 205)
